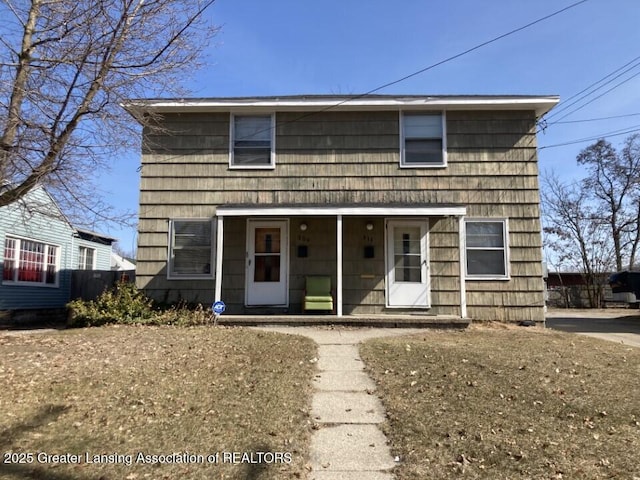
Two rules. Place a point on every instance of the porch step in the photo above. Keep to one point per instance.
(403, 321)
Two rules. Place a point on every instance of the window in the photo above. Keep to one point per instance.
(486, 245)
(191, 249)
(423, 140)
(252, 141)
(86, 258)
(30, 262)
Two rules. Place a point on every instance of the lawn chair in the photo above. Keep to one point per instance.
(317, 294)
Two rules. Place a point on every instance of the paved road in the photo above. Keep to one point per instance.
(621, 327)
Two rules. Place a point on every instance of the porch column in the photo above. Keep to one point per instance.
(219, 241)
(339, 269)
(463, 270)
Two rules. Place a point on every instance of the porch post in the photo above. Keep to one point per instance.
(463, 270)
(339, 267)
(219, 240)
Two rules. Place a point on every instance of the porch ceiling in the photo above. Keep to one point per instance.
(422, 210)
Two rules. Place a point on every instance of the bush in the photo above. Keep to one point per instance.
(122, 304)
(125, 304)
(185, 316)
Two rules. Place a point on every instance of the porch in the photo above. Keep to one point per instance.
(382, 320)
(401, 262)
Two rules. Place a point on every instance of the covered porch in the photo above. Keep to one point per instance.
(384, 261)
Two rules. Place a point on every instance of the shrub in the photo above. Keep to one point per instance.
(185, 316)
(125, 304)
(122, 304)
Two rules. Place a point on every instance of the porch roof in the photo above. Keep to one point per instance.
(308, 210)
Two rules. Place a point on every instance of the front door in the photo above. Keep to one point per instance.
(407, 264)
(267, 262)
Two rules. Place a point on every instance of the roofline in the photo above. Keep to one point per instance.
(541, 104)
(97, 235)
(346, 210)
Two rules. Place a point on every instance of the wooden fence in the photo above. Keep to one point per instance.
(89, 284)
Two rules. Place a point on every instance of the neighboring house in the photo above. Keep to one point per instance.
(39, 249)
(120, 263)
(422, 204)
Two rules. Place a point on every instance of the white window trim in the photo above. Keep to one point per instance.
(443, 115)
(95, 257)
(505, 239)
(204, 276)
(58, 247)
(272, 165)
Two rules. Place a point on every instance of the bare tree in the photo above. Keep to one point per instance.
(613, 179)
(65, 68)
(576, 234)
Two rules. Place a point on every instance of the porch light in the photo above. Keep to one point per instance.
(303, 227)
(369, 226)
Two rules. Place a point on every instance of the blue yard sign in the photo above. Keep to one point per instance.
(218, 307)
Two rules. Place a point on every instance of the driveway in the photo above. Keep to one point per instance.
(616, 325)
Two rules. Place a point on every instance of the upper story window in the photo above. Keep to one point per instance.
(191, 253)
(486, 248)
(86, 258)
(423, 140)
(30, 263)
(252, 141)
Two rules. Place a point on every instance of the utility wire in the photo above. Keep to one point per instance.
(599, 96)
(469, 50)
(597, 119)
(433, 65)
(614, 133)
(566, 105)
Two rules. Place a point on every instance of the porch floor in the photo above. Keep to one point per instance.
(382, 320)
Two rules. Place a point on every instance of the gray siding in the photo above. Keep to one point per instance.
(352, 157)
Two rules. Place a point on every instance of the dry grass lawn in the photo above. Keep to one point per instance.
(509, 403)
(122, 391)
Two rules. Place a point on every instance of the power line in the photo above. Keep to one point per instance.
(597, 119)
(469, 50)
(433, 65)
(563, 107)
(614, 133)
(599, 96)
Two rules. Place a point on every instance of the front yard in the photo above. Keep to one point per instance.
(509, 403)
(127, 402)
(154, 402)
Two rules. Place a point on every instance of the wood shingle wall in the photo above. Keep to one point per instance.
(351, 157)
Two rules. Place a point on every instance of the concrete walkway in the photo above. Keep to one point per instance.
(347, 445)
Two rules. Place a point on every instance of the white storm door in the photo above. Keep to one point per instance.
(267, 262)
(407, 264)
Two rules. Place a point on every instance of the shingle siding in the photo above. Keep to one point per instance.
(352, 157)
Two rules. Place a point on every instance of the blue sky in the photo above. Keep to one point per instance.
(282, 47)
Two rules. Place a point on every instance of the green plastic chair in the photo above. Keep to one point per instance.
(317, 294)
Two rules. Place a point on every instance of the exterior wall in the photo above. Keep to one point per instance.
(352, 157)
(39, 219)
(103, 254)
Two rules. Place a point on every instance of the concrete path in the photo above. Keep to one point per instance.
(347, 445)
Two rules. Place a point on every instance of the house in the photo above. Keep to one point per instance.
(39, 248)
(410, 204)
(120, 263)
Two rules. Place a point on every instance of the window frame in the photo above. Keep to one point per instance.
(81, 261)
(504, 248)
(18, 248)
(443, 138)
(272, 156)
(171, 275)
